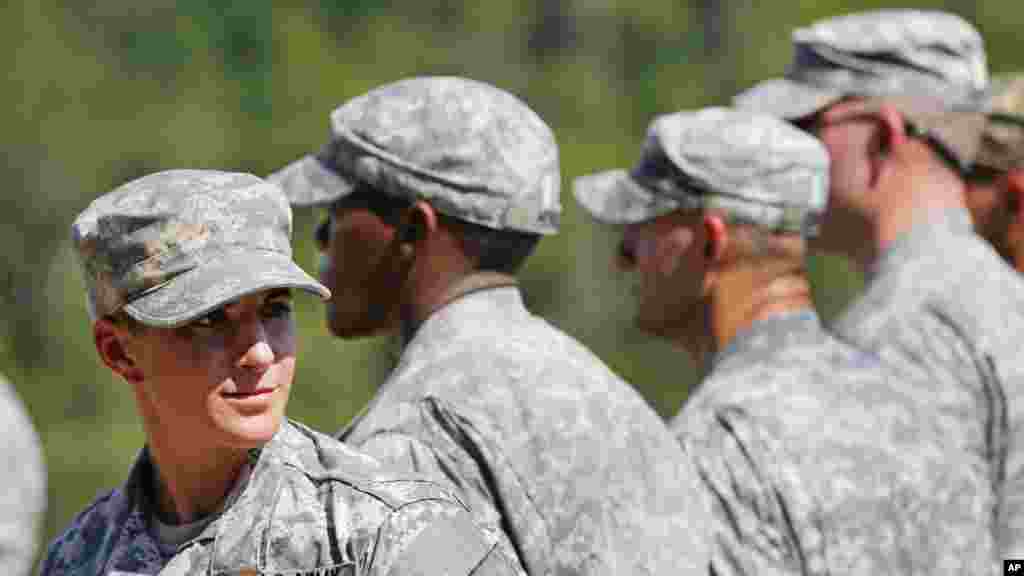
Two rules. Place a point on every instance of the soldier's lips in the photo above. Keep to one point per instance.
(250, 394)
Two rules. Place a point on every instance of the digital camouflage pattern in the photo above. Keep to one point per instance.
(475, 152)
(540, 438)
(876, 53)
(170, 247)
(755, 168)
(820, 459)
(942, 304)
(311, 507)
(23, 489)
(1002, 145)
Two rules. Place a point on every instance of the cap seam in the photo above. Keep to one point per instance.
(173, 322)
(191, 267)
(353, 139)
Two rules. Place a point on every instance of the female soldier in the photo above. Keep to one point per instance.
(189, 276)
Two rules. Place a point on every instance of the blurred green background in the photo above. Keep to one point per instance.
(97, 93)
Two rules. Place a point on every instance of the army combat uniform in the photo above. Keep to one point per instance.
(580, 475)
(941, 303)
(940, 306)
(822, 461)
(1002, 151)
(23, 489)
(583, 472)
(309, 506)
(816, 458)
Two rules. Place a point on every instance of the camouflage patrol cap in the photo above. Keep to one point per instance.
(1002, 144)
(885, 53)
(170, 247)
(755, 168)
(473, 151)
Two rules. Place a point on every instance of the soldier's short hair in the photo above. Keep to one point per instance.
(493, 250)
(122, 319)
(754, 244)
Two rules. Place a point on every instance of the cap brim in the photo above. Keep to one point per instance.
(215, 283)
(1002, 145)
(613, 197)
(961, 131)
(784, 98)
(307, 182)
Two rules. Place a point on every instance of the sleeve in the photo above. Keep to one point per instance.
(752, 530)
(23, 497)
(437, 538)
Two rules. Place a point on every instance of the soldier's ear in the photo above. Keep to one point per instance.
(889, 138)
(716, 238)
(111, 343)
(1015, 194)
(418, 223)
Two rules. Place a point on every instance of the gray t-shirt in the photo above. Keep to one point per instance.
(942, 304)
(170, 537)
(821, 460)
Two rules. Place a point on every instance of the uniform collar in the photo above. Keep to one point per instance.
(776, 331)
(132, 546)
(468, 287)
(239, 533)
(921, 238)
(465, 311)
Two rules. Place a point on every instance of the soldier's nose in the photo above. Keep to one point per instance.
(258, 357)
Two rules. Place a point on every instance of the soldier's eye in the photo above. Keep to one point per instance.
(278, 309)
(214, 319)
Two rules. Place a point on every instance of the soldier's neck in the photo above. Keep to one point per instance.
(741, 298)
(921, 189)
(191, 482)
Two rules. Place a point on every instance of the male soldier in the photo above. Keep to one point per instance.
(995, 197)
(817, 461)
(995, 186)
(23, 494)
(891, 96)
(438, 189)
(189, 277)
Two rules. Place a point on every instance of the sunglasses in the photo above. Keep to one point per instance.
(940, 148)
(811, 123)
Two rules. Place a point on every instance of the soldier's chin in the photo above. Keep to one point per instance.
(253, 431)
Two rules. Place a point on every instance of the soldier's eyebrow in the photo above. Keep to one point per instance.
(279, 294)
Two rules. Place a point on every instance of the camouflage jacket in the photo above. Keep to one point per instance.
(820, 461)
(541, 439)
(23, 489)
(311, 507)
(943, 304)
